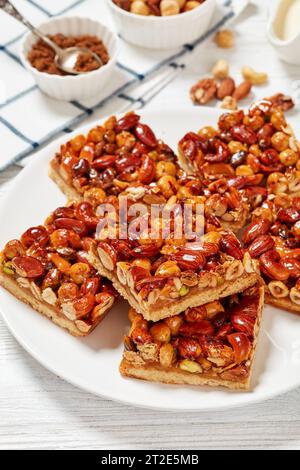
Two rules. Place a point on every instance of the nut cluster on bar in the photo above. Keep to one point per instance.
(160, 277)
(112, 157)
(273, 239)
(50, 262)
(124, 158)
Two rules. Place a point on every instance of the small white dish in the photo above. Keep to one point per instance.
(284, 30)
(92, 363)
(163, 32)
(70, 87)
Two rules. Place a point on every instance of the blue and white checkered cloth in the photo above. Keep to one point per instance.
(30, 119)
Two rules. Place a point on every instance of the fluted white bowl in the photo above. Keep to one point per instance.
(163, 32)
(73, 87)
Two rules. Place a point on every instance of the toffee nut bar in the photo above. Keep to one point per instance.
(160, 278)
(273, 239)
(125, 154)
(47, 268)
(256, 153)
(209, 345)
(110, 158)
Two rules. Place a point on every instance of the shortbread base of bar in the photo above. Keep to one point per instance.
(54, 174)
(42, 307)
(195, 298)
(155, 373)
(285, 304)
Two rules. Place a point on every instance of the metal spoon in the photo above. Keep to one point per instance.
(65, 59)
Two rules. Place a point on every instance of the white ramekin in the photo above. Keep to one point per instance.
(288, 50)
(163, 32)
(73, 87)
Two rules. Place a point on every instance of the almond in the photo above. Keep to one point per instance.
(242, 91)
(226, 88)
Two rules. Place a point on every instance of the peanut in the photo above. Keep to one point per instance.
(225, 39)
(181, 3)
(160, 332)
(166, 355)
(190, 5)
(169, 7)
(140, 8)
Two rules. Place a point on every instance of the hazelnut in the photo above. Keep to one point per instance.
(169, 7)
(225, 39)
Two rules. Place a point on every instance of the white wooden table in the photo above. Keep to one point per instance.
(39, 410)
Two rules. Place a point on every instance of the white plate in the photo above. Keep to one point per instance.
(92, 363)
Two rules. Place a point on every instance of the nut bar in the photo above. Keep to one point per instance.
(209, 345)
(252, 151)
(110, 158)
(273, 238)
(162, 276)
(258, 155)
(125, 154)
(47, 268)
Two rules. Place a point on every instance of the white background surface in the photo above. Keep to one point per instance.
(39, 410)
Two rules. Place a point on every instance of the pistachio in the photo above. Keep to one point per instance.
(184, 290)
(8, 268)
(190, 366)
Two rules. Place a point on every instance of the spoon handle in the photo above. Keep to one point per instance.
(9, 8)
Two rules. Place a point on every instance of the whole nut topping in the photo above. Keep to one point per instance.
(49, 296)
(23, 282)
(190, 366)
(83, 326)
(36, 291)
(122, 272)
(242, 90)
(295, 295)
(278, 289)
(107, 255)
(226, 88)
(235, 270)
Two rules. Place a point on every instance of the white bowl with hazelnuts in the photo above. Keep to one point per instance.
(161, 24)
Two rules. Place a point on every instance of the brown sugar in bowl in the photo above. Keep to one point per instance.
(41, 56)
(73, 87)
